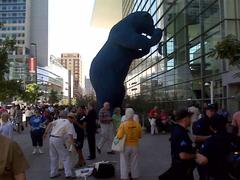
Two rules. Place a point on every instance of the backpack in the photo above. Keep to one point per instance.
(104, 170)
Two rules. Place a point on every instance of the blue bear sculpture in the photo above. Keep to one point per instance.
(127, 41)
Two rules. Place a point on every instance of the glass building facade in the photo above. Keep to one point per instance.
(15, 17)
(177, 71)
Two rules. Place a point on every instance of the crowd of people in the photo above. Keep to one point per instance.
(198, 140)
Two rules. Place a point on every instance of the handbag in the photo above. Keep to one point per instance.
(118, 144)
(104, 170)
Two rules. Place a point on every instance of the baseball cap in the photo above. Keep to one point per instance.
(183, 113)
(211, 107)
(72, 115)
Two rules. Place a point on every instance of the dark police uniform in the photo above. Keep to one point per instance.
(216, 148)
(181, 142)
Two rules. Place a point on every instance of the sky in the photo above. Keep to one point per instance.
(70, 30)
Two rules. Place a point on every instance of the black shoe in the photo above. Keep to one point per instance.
(111, 152)
(57, 175)
(98, 150)
(90, 158)
(70, 177)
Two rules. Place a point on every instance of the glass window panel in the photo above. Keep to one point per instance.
(211, 16)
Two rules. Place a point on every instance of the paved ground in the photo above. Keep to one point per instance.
(154, 157)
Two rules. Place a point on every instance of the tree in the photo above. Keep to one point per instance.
(228, 48)
(9, 88)
(53, 97)
(31, 93)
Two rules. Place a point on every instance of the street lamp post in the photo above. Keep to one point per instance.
(36, 60)
(210, 84)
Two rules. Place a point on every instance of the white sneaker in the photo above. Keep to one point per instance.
(34, 151)
(40, 151)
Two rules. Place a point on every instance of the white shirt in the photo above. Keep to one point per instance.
(28, 113)
(6, 129)
(62, 127)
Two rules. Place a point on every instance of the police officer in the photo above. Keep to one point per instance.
(202, 131)
(214, 150)
(182, 151)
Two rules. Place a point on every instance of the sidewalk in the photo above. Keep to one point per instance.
(154, 157)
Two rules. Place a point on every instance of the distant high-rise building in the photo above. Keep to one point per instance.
(15, 17)
(72, 62)
(88, 87)
(39, 30)
(27, 22)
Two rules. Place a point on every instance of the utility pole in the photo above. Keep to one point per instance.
(69, 88)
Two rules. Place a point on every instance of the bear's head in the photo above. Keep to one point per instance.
(142, 22)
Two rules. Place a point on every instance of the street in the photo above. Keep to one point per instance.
(154, 157)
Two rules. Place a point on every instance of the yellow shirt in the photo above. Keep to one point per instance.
(133, 132)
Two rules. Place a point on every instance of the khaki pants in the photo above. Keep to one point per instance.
(106, 136)
(58, 151)
(129, 162)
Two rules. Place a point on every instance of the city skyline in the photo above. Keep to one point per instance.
(70, 30)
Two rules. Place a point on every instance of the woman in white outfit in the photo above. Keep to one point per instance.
(129, 157)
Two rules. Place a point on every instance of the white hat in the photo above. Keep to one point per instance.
(129, 113)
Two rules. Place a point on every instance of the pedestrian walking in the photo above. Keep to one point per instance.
(37, 130)
(91, 128)
(116, 118)
(80, 125)
(182, 151)
(13, 162)
(106, 124)
(130, 156)
(6, 128)
(18, 119)
(28, 114)
(57, 149)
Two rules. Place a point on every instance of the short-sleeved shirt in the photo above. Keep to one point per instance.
(180, 142)
(216, 148)
(36, 122)
(117, 119)
(236, 121)
(12, 159)
(6, 129)
(104, 114)
(62, 127)
(81, 119)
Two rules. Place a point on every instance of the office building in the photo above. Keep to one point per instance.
(15, 17)
(39, 31)
(27, 22)
(88, 87)
(73, 62)
(179, 70)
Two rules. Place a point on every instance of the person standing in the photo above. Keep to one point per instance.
(91, 128)
(18, 119)
(13, 162)
(153, 115)
(129, 157)
(236, 122)
(57, 149)
(79, 126)
(106, 124)
(182, 152)
(215, 149)
(116, 117)
(37, 130)
(28, 114)
(6, 127)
